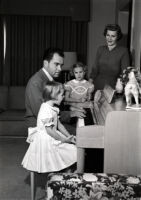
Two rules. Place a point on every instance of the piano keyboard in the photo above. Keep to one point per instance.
(88, 120)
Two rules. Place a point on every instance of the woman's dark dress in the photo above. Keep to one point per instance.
(109, 65)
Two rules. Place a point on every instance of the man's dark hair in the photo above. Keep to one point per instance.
(48, 53)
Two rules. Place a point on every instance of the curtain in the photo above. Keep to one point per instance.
(28, 36)
(1, 50)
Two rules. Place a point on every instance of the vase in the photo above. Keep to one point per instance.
(119, 86)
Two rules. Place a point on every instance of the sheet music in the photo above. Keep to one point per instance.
(109, 93)
(80, 122)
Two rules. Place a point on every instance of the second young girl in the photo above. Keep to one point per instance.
(78, 90)
(51, 148)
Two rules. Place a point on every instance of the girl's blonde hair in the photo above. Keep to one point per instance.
(78, 64)
(52, 90)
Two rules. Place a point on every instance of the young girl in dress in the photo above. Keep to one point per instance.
(78, 92)
(51, 146)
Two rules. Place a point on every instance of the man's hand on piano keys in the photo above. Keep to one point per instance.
(80, 113)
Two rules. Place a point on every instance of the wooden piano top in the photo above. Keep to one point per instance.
(102, 107)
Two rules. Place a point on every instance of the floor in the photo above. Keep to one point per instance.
(14, 179)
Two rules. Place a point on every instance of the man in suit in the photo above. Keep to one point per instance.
(53, 60)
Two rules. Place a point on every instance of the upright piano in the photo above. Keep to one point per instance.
(101, 107)
(107, 101)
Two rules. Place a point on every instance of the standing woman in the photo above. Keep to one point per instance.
(111, 59)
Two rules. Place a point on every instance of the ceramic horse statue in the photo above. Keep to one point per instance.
(132, 89)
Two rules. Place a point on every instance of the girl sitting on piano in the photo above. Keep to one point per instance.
(78, 92)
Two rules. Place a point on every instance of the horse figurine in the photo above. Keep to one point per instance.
(132, 89)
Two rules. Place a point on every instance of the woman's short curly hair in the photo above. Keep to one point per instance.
(113, 27)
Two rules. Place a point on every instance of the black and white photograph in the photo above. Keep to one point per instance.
(70, 99)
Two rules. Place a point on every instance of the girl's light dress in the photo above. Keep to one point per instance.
(79, 89)
(46, 154)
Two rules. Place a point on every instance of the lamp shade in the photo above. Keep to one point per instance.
(70, 58)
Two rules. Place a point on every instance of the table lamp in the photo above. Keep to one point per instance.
(70, 58)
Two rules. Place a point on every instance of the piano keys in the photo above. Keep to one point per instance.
(89, 119)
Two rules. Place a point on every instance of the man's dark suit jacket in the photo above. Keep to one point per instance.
(33, 96)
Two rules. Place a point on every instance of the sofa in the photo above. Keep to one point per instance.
(12, 111)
